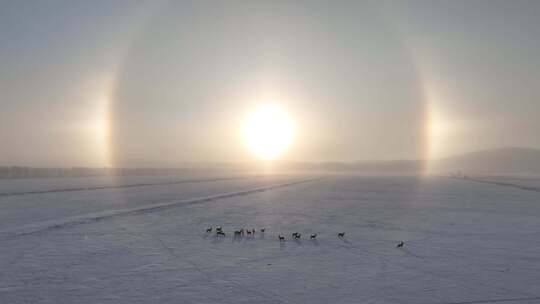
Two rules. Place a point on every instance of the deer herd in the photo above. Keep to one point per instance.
(251, 232)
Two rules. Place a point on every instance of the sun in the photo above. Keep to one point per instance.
(268, 131)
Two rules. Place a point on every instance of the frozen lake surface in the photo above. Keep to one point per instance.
(143, 240)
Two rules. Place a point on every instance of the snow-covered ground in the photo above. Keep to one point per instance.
(530, 183)
(465, 242)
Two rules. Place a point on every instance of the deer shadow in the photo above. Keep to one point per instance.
(344, 240)
(218, 239)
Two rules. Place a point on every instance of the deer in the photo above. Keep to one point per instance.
(248, 232)
(313, 236)
(281, 238)
(263, 230)
(341, 234)
(220, 233)
(297, 236)
(400, 244)
(208, 230)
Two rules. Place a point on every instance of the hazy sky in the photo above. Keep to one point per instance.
(114, 83)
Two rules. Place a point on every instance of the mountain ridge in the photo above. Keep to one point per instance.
(505, 160)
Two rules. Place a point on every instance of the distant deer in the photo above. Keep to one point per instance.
(281, 238)
(313, 236)
(220, 233)
(208, 230)
(237, 233)
(341, 234)
(262, 230)
(219, 229)
(297, 236)
(294, 234)
(248, 232)
(253, 231)
(400, 244)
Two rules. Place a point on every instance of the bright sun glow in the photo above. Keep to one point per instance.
(268, 131)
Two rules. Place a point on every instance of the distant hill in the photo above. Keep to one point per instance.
(517, 161)
(512, 160)
(504, 161)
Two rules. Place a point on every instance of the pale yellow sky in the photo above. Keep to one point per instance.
(113, 83)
